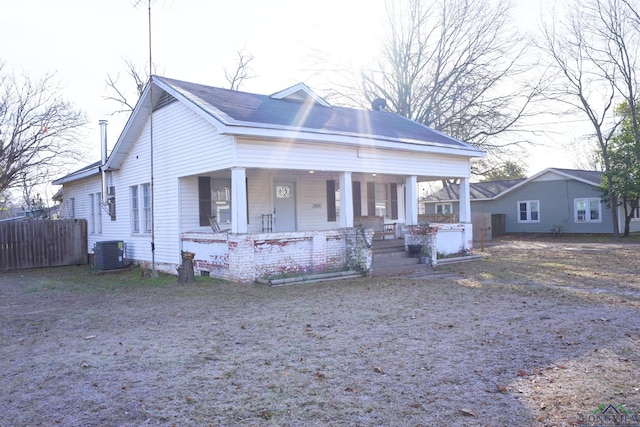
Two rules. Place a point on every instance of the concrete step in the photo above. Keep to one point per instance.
(310, 278)
(391, 259)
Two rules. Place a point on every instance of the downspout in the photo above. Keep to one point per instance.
(103, 146)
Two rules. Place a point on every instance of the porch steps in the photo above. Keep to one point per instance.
(391, 259)
(311, 278)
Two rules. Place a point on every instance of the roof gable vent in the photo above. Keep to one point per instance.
(300, 92)
(165, 99)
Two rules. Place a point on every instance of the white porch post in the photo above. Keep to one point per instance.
(411, 202)
(346, 200)
(465, 201)
(238, 200)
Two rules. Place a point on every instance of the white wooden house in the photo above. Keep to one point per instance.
(286, 177)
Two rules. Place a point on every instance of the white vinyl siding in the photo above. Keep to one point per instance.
(92, 215)
(314, 156)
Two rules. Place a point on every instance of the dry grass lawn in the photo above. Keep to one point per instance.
(540, 332)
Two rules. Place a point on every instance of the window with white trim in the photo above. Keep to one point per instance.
(135, 211)
(587, 210)
(221, 199)
(146, 206)
(529, 211)
(444, 208)
(140, 208)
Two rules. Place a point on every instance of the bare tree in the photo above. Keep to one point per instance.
(124, 97)
(126, 92)
(456, 66)
(615, 40)
(242, 71)
(596, 52)
(38, 130)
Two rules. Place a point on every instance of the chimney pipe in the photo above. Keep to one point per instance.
(103, 145)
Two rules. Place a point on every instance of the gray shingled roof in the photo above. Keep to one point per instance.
(478, 190)
(242, 108)
(591, 176)
(489, 190)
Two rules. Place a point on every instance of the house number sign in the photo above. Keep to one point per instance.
(283, 192)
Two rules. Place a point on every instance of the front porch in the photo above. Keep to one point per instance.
(246, 258)
(316, 221)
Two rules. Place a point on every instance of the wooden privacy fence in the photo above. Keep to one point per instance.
(42, 243)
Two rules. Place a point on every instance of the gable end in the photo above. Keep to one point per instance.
(165, 99)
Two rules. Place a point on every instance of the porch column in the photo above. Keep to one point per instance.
(411, 202)
(346, 200)
(238, 200)
(465, 201)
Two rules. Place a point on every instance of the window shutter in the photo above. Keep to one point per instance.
(357, 198)
(204, 199)
(331, 200)
(393, 188)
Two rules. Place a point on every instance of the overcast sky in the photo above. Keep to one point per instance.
(194, 40)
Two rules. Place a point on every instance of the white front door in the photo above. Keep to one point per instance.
(284, 206)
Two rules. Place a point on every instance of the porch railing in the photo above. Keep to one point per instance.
(438, 218)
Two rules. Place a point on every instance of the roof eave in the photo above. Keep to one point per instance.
(311, 135)
(77, 176)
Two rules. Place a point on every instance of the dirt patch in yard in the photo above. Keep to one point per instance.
(535, 333)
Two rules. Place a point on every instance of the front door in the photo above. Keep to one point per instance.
(284, 206)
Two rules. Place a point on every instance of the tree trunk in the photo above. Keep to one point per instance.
(185, 271)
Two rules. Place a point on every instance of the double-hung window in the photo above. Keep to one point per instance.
(529, 211)
(140, 208)
(588, 210)
(444, 208)
(135, 210)
(146, 206)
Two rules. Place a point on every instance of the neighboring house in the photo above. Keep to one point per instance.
(286, 177)
(564, 200)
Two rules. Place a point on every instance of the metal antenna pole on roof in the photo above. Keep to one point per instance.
(154, 273)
